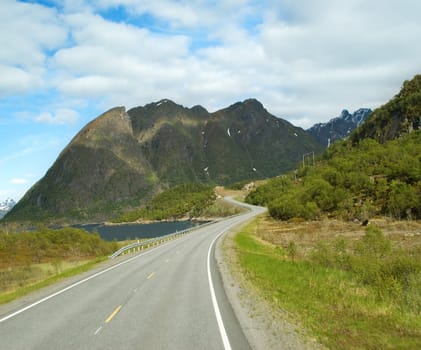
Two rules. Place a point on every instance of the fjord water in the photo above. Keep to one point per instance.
(123, 232)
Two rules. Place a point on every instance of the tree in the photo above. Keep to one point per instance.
(403, 200)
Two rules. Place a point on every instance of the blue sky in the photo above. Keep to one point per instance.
(64, 62)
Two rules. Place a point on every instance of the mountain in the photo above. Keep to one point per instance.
(122, 159)
(6, 206)
(340, 127)
(398, 117)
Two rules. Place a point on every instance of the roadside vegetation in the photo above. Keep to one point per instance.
(31, 260)
(183, 201)
(350, 182)
(341, 247)
(352, 290)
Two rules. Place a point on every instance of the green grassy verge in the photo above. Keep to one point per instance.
(340, 312)
(22, 291)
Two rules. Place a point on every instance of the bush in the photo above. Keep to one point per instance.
(374, 243)
(45, 245)
(351, 182)
(392, 273)
(175, 203)
(403, 200)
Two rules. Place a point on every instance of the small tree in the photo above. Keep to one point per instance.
(402, 199)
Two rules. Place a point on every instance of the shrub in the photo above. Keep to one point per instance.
(402, 199)
(392, 273)
(357, 181)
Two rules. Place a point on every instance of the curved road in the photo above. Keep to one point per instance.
(169, 297)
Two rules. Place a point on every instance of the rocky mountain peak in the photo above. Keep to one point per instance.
(110, 126)
(249, 105)
(339, 127)
(121, 159)
(200, 111)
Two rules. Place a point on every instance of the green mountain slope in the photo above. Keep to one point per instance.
(377, 171)
(122, 159)
(400, 116)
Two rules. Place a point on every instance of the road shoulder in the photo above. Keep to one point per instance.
(264, 327)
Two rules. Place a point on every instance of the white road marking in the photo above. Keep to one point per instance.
(222, 331)
(98, 330)
(76, 284)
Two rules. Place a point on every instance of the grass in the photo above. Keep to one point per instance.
(35, 259)
(18, 281)
(60, 270)
(329, 302)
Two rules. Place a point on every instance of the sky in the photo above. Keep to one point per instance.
(64, 62)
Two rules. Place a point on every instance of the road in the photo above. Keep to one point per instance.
(169, 297)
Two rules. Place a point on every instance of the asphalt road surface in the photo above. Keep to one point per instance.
(169, 297)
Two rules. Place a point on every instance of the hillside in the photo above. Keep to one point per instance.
(400, 116)
(122, 159)
(376, 172)
(332, 253)
(351, 183)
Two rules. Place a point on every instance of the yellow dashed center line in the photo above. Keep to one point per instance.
(150, 276)
(115, 312)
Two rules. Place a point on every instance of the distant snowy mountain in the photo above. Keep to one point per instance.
(339, 127)
(6, 205)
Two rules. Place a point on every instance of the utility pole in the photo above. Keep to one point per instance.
(307, 155)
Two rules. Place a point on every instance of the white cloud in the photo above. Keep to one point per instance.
(60, 116)
(330, 56)
(16, 80)
(19, 181)
(27, 32)
(304, 60)
(113, 60)
(94, 31)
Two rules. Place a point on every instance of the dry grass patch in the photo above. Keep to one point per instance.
(306, 234)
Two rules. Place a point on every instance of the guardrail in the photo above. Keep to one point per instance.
(140, 245)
